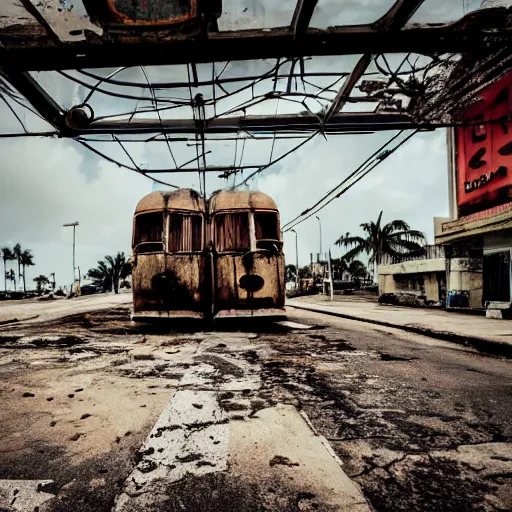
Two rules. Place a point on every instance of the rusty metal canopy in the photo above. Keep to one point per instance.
(195, 73)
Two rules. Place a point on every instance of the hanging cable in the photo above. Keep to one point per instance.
(365, 171)
(362, 166)
(119, 164)
(261, 169)
(155, 101)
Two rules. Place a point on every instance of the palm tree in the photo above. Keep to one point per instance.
(108, 275)
(41, 281)
(357, 269)
(17, 255)
(27, 260)
(395, 239)
(10, 275)
(7, 255)
(101, 276)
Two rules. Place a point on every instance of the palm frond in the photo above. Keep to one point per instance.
(355, 252)
(352, 240)
(396, 225)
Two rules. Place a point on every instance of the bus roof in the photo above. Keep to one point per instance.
(240, 200)
(181, 199)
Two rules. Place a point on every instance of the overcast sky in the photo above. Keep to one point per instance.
(44, 186)
(48, 182)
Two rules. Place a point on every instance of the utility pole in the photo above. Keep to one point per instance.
(320, 227)
(331, 280)
(296, 259)
(73, 225)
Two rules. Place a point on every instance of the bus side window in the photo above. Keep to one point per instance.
(148, 232)
(185, 233)
(266, 226)
(232, 232)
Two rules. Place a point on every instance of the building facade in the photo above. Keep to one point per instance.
(474, 269)
(478, 236)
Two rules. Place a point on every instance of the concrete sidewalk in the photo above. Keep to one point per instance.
(486, 335)
(40, 311)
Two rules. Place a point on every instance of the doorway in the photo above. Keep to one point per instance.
(497, 276)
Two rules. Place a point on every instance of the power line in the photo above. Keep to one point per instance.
(362, 166)
(366, 169)
(262, 168)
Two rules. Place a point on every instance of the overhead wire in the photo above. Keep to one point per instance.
(158, 113)
(370, 166)
(358, 169)
(14, 113)
(262, 168)
(120, 164)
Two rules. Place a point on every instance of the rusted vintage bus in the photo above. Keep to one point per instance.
(168, 256)
(246, 253)
(209, 260)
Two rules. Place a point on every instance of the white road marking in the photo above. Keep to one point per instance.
(294, 325)
(194, 436)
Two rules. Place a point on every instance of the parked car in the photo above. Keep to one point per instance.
(88, 289)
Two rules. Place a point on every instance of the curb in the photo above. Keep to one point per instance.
(496, 348)
(16, 320)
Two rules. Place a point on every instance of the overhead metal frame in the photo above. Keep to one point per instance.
(389, 34)
(390, 23)
(456, 37)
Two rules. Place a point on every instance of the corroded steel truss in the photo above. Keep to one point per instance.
(388, 74)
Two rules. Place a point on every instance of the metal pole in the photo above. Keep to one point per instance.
(73, 225)
(320, 226)
(296, 259)
(331, 280)
(74, 266)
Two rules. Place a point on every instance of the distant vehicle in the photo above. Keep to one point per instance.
(88, 289)
(207, 259)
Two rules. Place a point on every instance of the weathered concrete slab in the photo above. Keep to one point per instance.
(277, 450)
(189, 438)
(24, 495)
(213, 449)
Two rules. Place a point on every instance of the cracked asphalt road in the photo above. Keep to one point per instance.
(419, 424)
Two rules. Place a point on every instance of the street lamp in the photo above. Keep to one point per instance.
(320, 226)
(73, 225)
(296, 259)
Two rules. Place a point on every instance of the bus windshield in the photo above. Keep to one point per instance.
(232, 232)
(148, 232)
(185, 233)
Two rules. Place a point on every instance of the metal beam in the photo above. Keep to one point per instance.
(398, 16)
(391, 22)
(255, 44)
(37, 96)
(302, 16)
(349, 122)
(341, 98)
(209, 168)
